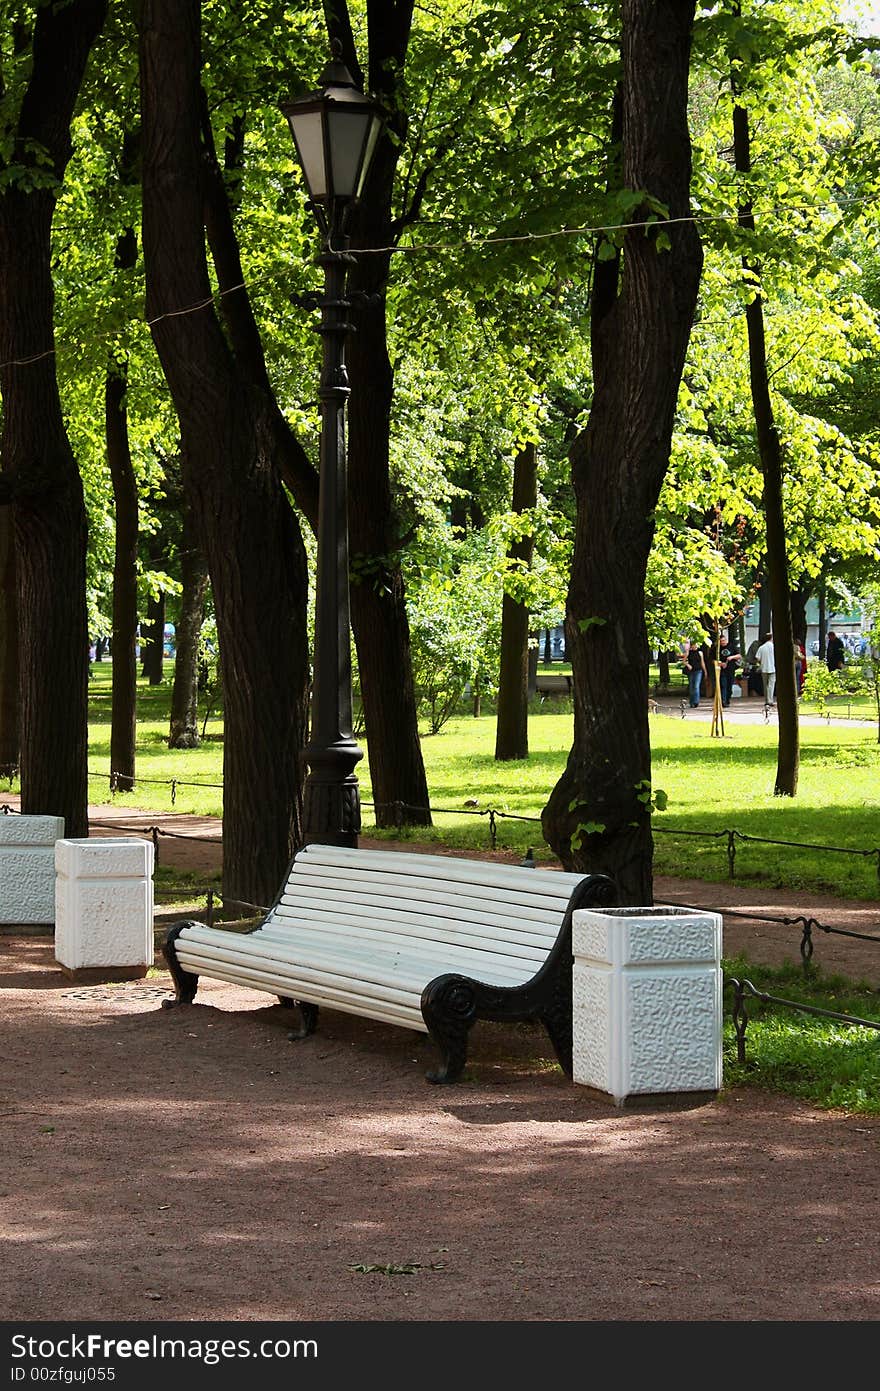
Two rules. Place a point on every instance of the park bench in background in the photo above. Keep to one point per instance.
(430, 942)
(557, 683)
(553, 684)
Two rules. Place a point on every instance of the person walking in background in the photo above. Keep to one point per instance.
(766, 659)
(729, 661)
(753, 685)
(800, 666)
(694, 665)
(834, 652)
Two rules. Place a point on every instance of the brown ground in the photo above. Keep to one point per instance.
(194, 1164)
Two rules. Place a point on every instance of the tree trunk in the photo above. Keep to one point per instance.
(40, 474)
(770, 452)
(740, 644)
(184, 730)
(512, 729)
(709, 650)
(799, 599)
(10, 748)
(254, 549)
(765, 619)
(823, 621)
(548, 646)
(153, 638)
(663, 675)
(599, 813)
(123, 719)
(532, 677)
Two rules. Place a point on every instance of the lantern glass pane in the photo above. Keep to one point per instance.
(309, 138)
(347, 132)
(372, 138)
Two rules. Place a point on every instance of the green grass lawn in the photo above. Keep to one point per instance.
(821, 1060)
(712, 784)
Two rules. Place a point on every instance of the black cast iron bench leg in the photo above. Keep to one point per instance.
(308, 1016)
(185, 982)
(449, 1010)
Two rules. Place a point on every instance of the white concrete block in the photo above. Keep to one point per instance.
(27, 868)
(104, 904)
(647, 1000)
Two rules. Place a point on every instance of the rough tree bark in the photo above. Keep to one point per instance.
(184, 723)
(512, 727)
(254, 549)
(532, 668)
(123, 718)
(10, 747)
(153, 633)
(40, 476)
(599, 815)
(770, 454)
(123, 711)
(293, 463)
(800, 597)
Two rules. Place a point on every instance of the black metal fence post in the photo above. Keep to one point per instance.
(740, 1018)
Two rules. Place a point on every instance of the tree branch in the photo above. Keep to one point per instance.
(294, 465)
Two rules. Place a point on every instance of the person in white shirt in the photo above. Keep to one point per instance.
(766, 659)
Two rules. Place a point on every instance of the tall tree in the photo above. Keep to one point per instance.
(770, 453)
(254, 548)
(40, 83)
(184, 725)
(123, 717)
(512, 728)
(123, 714)
(644, 295)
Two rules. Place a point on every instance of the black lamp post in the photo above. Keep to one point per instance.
(335, 130)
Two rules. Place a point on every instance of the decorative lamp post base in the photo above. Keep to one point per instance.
(331, 798)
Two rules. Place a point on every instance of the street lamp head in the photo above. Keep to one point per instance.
(335, 130)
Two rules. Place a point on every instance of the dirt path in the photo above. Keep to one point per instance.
(194, 1164)
(197, 1165)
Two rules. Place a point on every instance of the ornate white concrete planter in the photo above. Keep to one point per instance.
(27, 868)
(104, 907)
(647, 1001)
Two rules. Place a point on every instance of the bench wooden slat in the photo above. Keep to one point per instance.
(416, 927)
(403, 987)
(444, 867)
(369, 1007)
(522, 957)
(502, 935)
(546, 887)
(356, 960)
(312, 889)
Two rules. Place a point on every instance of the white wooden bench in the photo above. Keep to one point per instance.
(430, 942)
